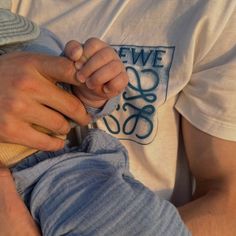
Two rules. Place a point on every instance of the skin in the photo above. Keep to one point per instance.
(103, 76)
(212, 162)
(28, 80)
(29, 96)
(15, 218)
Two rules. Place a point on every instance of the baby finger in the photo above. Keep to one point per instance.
(116, 85)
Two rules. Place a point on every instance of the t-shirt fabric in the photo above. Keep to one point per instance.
(180, 56)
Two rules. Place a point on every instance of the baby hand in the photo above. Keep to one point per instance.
(99, 69)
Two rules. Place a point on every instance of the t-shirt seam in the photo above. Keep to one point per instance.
(203, 116)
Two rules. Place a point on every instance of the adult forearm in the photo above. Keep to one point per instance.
(15, 218)
(211, 214)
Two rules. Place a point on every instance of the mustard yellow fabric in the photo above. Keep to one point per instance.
(11, 154)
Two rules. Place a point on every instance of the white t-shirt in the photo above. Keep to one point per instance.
(181, 58)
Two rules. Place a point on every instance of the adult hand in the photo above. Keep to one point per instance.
(29, 96)
(15, 219)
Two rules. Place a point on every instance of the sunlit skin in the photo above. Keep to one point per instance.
(29, 95)
(35, 88)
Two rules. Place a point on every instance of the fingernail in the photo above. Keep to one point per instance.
(80, 77)
(76, 53)
(106, 89)
(78, 65)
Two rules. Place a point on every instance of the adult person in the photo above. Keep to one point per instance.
(95, 174)
(177, 53)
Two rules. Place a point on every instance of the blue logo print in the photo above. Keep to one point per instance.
(136, 119)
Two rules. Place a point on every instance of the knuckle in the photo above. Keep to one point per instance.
(55, 145)
(103, 56)
(120, 90)
(14, 105)
(19, 107)
(52, 144)
(93, 44)
(117, 89)
(68, 69)
(22, 82)
(110, 53)
(74, 108)
(92, 41)
(42, 145)
(8, 130)
(58, 145)
(119, 83)
(95, 80)
(116, 66)
(107, 54)
(61, 126)
(78, 113)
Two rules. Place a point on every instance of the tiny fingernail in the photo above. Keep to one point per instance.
(80, 77)
(76, 53)
(106, 89)
(78, 65)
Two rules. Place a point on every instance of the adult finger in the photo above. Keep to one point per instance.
(63, 102)
(53, 68)
(15, 218)
(38, 140)
(47, 118)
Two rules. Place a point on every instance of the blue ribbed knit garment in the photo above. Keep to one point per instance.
(89, 191)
